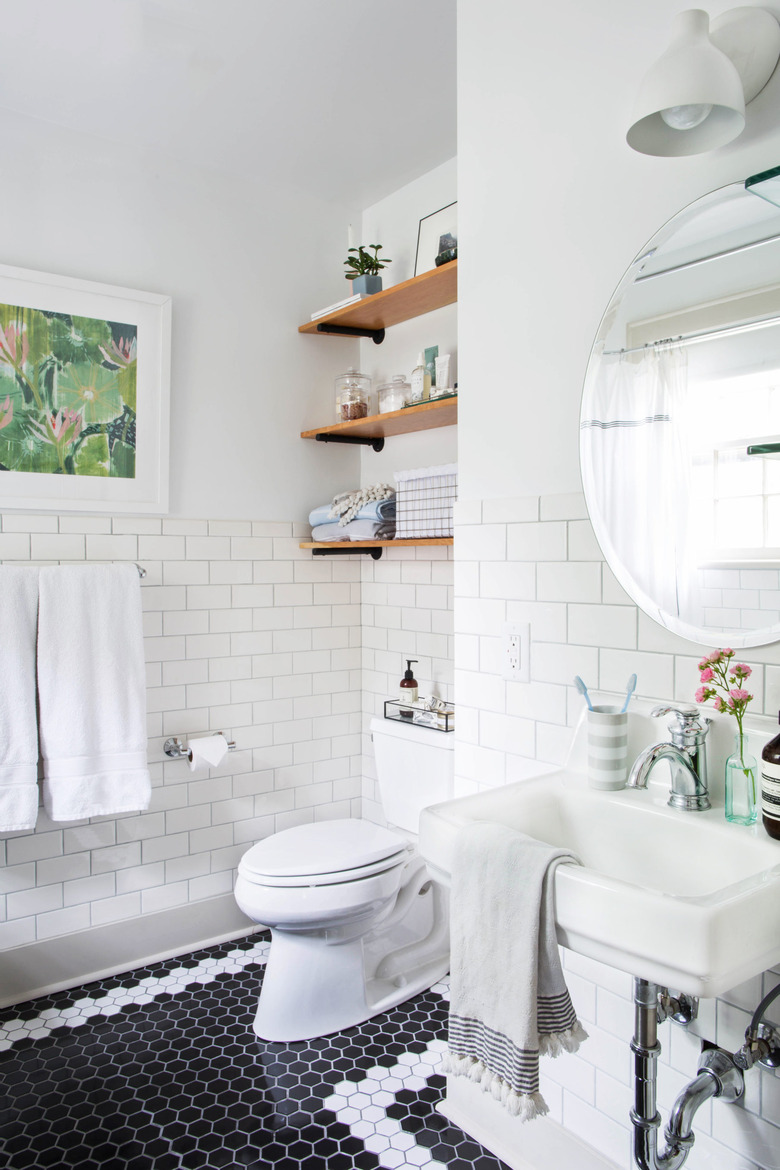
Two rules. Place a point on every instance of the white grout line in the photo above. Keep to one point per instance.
(361, 1105)
(113, 1001)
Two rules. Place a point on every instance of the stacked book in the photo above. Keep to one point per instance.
(339, 305)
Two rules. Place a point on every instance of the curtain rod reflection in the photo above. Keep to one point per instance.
(706, 259)
(691, 338)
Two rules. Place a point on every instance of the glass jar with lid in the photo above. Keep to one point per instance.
(394, 395)
(353, 394)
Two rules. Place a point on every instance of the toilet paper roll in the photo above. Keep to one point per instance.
(206, 751)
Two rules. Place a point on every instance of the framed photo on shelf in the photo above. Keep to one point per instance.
(438, 232)
(84, 395)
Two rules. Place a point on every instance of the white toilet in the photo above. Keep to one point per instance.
(357, 924)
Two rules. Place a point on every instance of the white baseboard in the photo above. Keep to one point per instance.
(52, 964)
(531, 1145)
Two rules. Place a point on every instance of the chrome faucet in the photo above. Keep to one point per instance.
(687, 754)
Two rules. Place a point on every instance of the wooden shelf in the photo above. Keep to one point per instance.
(357, 545)
(424, 417)
(422, 294)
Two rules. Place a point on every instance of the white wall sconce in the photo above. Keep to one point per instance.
(693, 98)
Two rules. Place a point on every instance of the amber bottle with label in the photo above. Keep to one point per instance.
(770, 786)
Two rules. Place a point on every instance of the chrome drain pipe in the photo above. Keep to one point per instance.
(718, 1076)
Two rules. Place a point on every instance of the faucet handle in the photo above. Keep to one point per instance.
(689, 720)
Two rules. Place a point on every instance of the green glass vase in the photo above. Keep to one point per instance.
(741, 785)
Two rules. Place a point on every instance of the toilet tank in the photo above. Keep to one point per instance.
(415, 768)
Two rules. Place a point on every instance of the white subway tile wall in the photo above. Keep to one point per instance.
(244, 633)
(552, 575)
(406, 608)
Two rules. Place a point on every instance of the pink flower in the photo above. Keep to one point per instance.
(6, 412)
(8, 346)
(701, 695)
(718, 704)
(715, 656)
(739, 695)
(124, 352)
(741, 670)
(727, 653)
(60, 428)
(707, 674)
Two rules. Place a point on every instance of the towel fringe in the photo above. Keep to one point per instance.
(553, 1044)
(523, 1106)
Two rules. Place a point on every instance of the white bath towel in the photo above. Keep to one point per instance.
(92, 691)
(509, 999)
(18, 727)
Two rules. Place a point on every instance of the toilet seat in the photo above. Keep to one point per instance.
(315, 855)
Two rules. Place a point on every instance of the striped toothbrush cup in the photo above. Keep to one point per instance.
(607, 748)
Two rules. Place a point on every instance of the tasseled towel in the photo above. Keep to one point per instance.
(509, 999)
(347, 505)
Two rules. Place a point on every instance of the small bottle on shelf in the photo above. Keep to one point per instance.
(408, 689)
(770, 786)
(421, 381)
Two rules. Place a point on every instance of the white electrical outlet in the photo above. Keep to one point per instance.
(516, 651)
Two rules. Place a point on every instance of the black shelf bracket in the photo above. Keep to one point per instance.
(376, 335)
(374, 553)
(377, 443)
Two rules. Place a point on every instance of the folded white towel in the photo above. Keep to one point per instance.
(92, 691)
(509, 999)
(18, 729)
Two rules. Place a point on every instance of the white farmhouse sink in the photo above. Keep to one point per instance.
(683, 899)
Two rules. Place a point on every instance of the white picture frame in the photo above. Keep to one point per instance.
(139, 482)
(431, 228)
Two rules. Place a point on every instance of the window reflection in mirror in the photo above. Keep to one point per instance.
(684, 381)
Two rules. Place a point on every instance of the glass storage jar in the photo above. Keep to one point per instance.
(353, 394)
(394, 395)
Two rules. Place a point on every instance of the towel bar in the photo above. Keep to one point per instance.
(176, 748)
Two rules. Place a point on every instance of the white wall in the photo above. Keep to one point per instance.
(244, 265)
(553, 206)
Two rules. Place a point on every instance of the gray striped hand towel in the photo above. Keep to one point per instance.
(509, 1000)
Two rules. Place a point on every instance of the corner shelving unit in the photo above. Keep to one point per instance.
(369, 318)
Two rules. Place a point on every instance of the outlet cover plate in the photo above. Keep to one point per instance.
(516, 651)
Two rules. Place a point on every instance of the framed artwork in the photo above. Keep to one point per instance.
(438, 232)
(84, 395)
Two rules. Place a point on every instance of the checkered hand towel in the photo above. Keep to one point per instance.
(509, 999)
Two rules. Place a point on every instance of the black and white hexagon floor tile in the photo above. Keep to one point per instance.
(159, 1069)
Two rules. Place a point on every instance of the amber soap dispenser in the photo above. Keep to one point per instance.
(408, 685)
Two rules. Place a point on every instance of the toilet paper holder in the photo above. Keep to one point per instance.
(178, 749)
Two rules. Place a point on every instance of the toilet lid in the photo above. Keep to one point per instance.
(329, 847)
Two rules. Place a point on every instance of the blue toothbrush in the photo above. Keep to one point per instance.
(631, 688)
(580, 685)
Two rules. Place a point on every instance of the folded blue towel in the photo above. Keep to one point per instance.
(376, 510)
(355, 530)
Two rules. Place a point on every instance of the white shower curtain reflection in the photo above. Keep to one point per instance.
(639, 471)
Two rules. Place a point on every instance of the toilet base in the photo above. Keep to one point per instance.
(316, 984)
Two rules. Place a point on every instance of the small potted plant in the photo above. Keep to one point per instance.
(365, 268)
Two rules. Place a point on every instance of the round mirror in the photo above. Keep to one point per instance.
(680, 422)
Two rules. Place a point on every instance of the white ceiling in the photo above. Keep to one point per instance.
(350, 99)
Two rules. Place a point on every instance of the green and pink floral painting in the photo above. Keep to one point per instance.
(67, 394)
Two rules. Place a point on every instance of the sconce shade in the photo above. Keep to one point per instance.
(691, 73)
